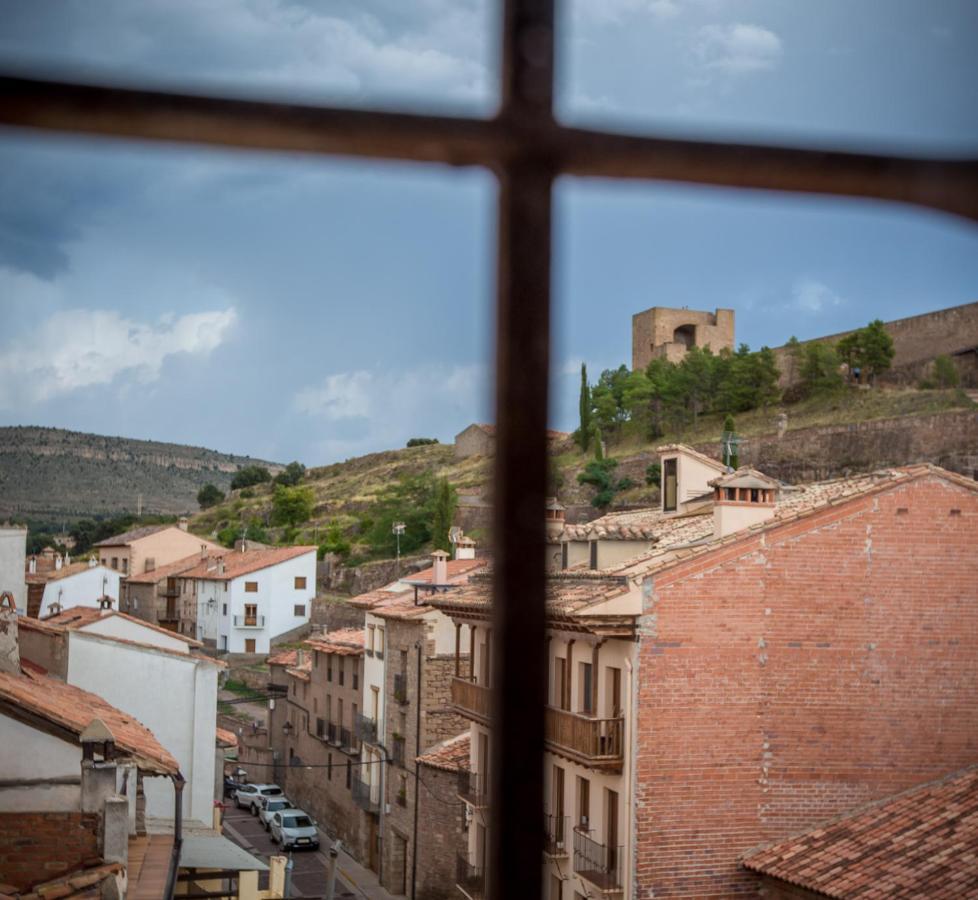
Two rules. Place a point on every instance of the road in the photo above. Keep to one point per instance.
(309, 867)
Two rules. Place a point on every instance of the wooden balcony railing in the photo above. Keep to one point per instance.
(471, 699)
(593, 742)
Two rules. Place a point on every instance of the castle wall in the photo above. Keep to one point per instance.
(654, 333)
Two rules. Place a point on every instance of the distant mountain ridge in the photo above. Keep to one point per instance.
(54, 473)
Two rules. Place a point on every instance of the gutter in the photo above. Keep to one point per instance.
(171, 876)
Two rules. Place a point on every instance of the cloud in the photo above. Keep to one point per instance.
(365, 410)
(736, 49)
(615, 12)
(83, 348)
(813, 296)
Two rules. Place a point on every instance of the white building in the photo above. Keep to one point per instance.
(78, 584)
(155, 676)
(246, 598)
(13, 555)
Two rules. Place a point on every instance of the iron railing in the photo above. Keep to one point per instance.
(365, 728)
(556, 835)
(471, 880)
(597, 863)
(363, 795)
(249, 621)
(332, 732)
(347, 741)
(473, 788)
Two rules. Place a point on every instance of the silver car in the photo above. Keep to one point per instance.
(248, 796)
(271, 805)
(293, 829)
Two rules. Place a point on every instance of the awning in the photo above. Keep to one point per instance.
(213, 851)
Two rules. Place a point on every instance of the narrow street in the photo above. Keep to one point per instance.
(353, 881)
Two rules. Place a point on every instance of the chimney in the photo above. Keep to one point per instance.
(92, 562)
(9, 645)
(440, 564)
(67, 559)
(203, 551)
(220, 565)
(57, 563)
(553, 517)
(182, 523)
(240, 545)
(32, 566)
(300, 657)
(464, 548)
(742, 499)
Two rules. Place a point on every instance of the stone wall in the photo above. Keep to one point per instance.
(443, 838)
(654, 333)
(439, 720)
(370, 576)
(37, 847)
(916, 341)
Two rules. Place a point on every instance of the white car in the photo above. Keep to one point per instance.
(249, 796)
(270, 805)
(293, 828)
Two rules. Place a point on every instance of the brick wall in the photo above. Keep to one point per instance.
(793, 675)
(36, 847)
(442, 837)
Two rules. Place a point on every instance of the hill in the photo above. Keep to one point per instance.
(50, 473)
(823, 438)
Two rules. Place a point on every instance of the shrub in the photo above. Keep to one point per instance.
(945, 372)
(249, 476)
(653, 474)
(209, 496)
(421, 442)
(291, 475)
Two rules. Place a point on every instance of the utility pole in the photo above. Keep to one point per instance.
(398, 529)
(334, 852)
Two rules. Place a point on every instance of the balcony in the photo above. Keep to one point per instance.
(469, 879)
(363, 796)
(249, 621)
(167, 615)
(598, 864)
(471, 699)
(597, 743)
(556, 834)
(473, 789)
(365, 729)
(400, 688)
(348, 742)
(332, 732)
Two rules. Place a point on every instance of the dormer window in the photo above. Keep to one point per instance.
(670, 485)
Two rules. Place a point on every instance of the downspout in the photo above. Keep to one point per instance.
(383, 767)
(632, 745)
(417, 782)
(171, 876)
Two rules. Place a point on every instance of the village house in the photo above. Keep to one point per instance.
(748, 661)
(408, 670)
(68, 584)
(132, 665)
(312, 724)
(243, 599)
(13, 552)
(143, 549)
(75, 767)
(155, 596)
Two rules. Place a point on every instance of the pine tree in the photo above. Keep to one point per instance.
(442, 514)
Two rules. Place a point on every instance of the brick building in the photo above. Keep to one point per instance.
(312, 725)
(773, 657)
(155, 596)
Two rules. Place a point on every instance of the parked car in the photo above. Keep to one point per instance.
(233, 781)
(293, 828)
(272, 805)
(247, 796)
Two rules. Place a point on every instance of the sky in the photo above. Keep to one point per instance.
(316, 309)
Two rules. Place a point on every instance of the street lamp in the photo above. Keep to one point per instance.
(287, 728)
(398, 529)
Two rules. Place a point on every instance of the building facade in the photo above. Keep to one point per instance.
(666, 333)
(156, 597)
(13, 554)
(71, 585)
(144, 549)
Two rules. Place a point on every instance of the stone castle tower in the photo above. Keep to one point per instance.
(666, 332)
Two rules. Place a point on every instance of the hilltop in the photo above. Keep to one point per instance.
(50, 473)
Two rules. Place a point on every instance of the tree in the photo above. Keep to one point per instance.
(584, 408)
(335, 542)
(421, 442)
(409, 500)
(820, 369)
(945, 372)
(653, 474)
(209, 496)
(598, 443)
(291, 506)
(291, 475)
(877, 349)
(599, 473)
(250, 475)
(256, 532)
(442, 514)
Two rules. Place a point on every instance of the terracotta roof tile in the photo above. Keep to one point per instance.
(455, 568)
(78, 617)
(451, 755)
(238, 562)
(134, 534)
(283, 658)
(225, 738)
(920, 843)
(342, 642)
(170, 569)
(74, 709)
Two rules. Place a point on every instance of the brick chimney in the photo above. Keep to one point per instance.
(182, 523)
(464, 548)
(32, 566)
(742, 499)
(439, 560)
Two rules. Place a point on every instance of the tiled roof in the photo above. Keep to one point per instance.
(74, 709)
(238, 563)
(666, 449)
(225, 738)
(134, 534)
(381, 596)
(81, 616)
(451, 755)
(303, 672)
(167, 571)
(342, 642)
(37, 625)
(746, 477)
(455, 568)
(57, 574)
(82, 882)
(921, 843)
(283, 658)
(402, 608)
(643, 525)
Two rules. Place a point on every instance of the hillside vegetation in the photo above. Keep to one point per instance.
(347, 497)
(53, 474)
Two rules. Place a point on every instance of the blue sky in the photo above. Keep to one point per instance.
(317, 309)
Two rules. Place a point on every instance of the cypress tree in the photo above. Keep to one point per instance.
(584, 432)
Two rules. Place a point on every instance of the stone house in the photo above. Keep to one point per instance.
(312, 724)
(13, 554)
(143, 549)
(757, 669)
(666, 333)
(480, 440)
(155, 596)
